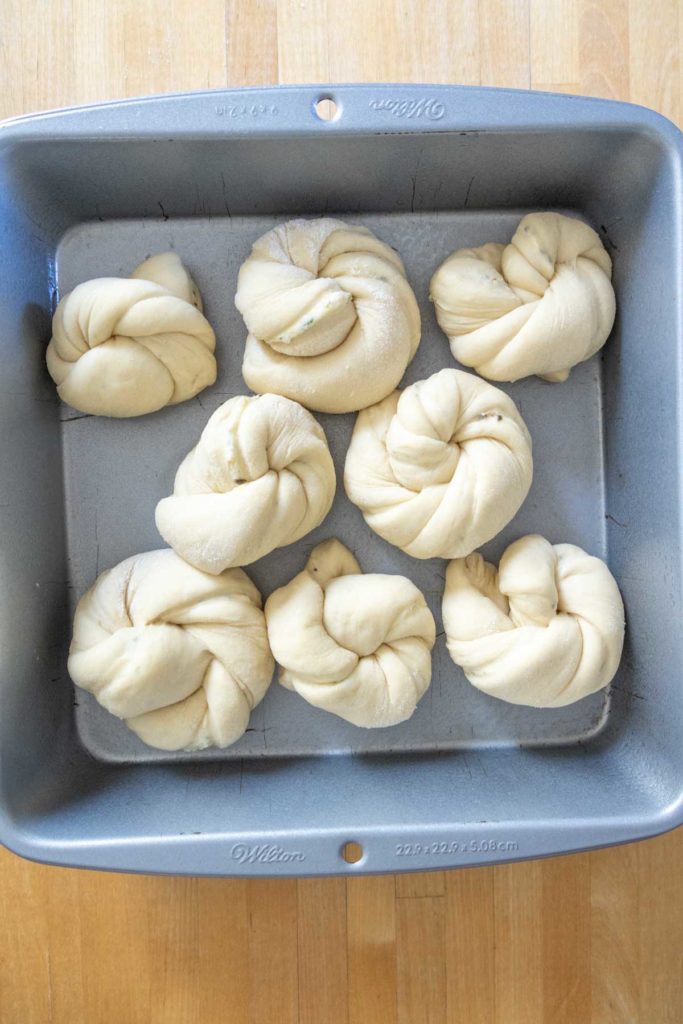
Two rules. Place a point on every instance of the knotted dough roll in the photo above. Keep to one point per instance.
(181, 656)
(545, 629)
(440, 468)
(358, 645)
(261, 476)
(539, 305)
(332, 320)
(129, 346)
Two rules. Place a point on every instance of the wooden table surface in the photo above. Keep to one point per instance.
(589, 938)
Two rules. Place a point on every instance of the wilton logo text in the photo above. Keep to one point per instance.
(427, 107)
(268, 853)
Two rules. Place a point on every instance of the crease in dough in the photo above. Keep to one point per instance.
(355, 644)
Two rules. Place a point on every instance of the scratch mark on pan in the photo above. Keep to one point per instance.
(609, 241)
(469, 189)
(225, 195)
(414, 181)
(97, 550)
(628, 693)
(36, 223)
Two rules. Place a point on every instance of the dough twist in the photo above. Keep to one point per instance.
(357, 645)
(332, 320)
(129, 346)
(440, 468)
(181, 656)
(545, 629)
(260, 477)
(539, 305)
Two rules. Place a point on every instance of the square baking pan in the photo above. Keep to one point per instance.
(468, 780)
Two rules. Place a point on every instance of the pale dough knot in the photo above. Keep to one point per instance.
(545, 629)
(539, 305)
(357, 645)
(332, 320)
(441, 467)
(261, 476)
(181, 656)
(129, 346)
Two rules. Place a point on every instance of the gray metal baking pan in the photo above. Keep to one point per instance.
(468, 780)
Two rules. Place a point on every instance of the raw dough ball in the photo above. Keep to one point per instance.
(545, 630)
(181, 656)
(260, 477)
(129, 346)
(440, 468)
(539, 305)
(332, 321)
(358, 645)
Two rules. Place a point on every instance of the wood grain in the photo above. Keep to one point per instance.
(273, 951)
(566, 951)
(321, 929)
(604, 48)
(518, 931)
(660, 931)
(614, 935)
(554, 31)
(371, 949)
(470, 947)
(421, 883)
(591, 939)
(421, 960)
(654, 56)
(249, 29)
(505, 43)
